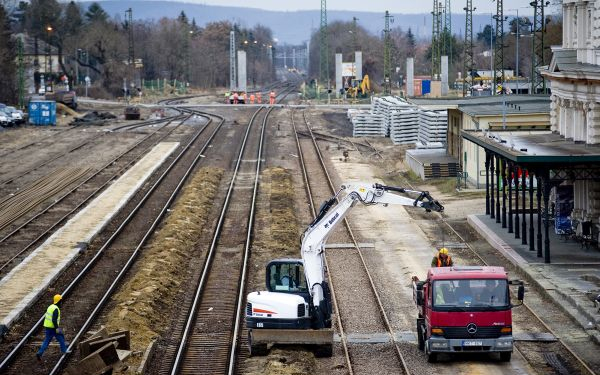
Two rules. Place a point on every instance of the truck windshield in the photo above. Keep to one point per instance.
(471, 294)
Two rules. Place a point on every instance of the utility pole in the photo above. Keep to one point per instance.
(387, 54)
(469, 64)
(435, 41)
(131, 57)
(447, 33)
(324, 57)
(538, 83)
(21, 73)
(355, 33)
(499, 50)
(232, 64)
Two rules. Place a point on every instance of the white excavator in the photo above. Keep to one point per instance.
(296, 308)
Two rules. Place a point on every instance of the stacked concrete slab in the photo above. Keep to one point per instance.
(403, 122)
(366, 123)
(433, 126)
(385, 106)
(404, 127)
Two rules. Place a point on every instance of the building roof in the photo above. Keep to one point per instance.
(534, 147)
(564, 63)
(478, 106)
(29, 46)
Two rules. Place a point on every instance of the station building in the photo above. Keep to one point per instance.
(551, 180)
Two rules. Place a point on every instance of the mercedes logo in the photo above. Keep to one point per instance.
(472, 328)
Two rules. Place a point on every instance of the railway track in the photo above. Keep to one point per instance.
(315, 192)
(208, 340)
(86, 142)
(22, 237)
(212, 334)
(39, 142)
(98, 271)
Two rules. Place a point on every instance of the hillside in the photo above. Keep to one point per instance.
(279, 22)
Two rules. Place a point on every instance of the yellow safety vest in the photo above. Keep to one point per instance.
(48, 317)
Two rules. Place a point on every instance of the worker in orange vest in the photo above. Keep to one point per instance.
(272, 97)
(235, 98)
(252, 97)
(258, 97)
(442, 259)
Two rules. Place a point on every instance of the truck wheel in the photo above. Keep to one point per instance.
(323, 351)
(420, 336)
(505, 356)
(432, 357)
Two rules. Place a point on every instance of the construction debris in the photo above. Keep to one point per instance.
(94, 118)
(101, 353)
(142, 302)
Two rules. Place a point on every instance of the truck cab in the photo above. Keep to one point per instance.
(465, 309)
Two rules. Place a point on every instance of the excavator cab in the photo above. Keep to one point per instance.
(287, 276)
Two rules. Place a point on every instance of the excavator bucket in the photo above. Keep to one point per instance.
(260, 339)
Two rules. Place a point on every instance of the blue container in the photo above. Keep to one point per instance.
(42, 112)
(426, 87)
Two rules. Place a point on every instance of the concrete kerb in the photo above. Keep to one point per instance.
(531, 276)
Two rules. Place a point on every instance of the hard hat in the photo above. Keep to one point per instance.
(57, 298)
(444, 251)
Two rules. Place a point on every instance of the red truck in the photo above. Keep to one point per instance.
(465, 310)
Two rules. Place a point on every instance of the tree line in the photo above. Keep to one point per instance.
(89, 40)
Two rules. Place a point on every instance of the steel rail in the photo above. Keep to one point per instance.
(147, 235)
(56, 133)
(65, 293)
(187, 331)
(241, 296)
(311, 201)
(357, 246)
(89, 197)
(60, 155)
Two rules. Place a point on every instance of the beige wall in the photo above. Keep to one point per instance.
(475, 155)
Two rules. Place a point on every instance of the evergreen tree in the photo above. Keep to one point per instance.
(72, 20)
(8, 73)
(412, 44)
(182, 18)
(96, 13)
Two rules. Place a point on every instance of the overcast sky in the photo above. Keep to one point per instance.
(394, 6)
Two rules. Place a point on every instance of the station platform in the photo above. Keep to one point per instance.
(570, 280)
(24, 283)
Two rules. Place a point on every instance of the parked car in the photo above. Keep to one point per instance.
(16, 114)
(5, 120)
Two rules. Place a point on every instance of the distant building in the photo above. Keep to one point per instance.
(38, 57)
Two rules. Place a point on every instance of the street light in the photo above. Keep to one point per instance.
(48, 31)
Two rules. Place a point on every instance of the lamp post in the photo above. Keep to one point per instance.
(48, 52)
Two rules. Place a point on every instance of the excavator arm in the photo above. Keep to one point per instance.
(332, 214)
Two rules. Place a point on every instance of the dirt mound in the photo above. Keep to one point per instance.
(142, 302)
(277, 236)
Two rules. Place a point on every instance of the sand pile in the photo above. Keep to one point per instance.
(142, 302)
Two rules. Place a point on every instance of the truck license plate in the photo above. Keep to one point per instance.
(472, 343)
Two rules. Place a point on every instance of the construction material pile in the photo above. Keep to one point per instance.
(432, 126)
(403, 122)
(94, 118)
(404, 126)
(366, 123)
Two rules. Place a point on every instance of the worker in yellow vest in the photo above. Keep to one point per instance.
(53, 328)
